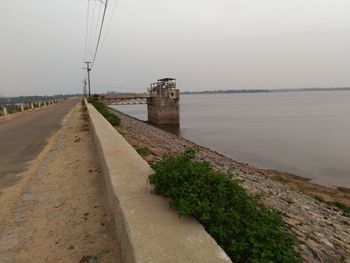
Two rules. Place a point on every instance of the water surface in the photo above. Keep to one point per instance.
(304, 133)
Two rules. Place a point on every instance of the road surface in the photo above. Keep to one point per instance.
(23, 138)
(58, 211)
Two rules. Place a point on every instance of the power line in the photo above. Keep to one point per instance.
(99, 36)
(95, 29)
(109, 22)
(87, 29)
(92, 26)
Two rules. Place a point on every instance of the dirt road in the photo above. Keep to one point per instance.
(22, 139)
(58, 210)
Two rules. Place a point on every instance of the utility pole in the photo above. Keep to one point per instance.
(84, 88)
(88, 68)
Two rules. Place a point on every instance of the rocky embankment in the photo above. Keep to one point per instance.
(323, 231)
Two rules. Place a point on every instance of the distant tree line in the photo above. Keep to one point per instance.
(28, 99)
(263, 90)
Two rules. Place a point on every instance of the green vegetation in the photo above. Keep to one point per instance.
(28, 99)
(341, 206)
(11, 108)
(112, 118)
(143, 151)
(319, 198)
(247, 231)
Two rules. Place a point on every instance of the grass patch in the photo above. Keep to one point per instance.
(246, 230)
(319, 198)
(143, 151)
(280, 178)
(341, 206)
(109, 116)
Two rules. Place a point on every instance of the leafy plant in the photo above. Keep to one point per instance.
(143, 151)
(112, 118)
(341, 206)
(319, 198)
(246, 230)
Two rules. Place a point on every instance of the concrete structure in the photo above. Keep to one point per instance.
(22, 107)
(32, 106)
(162, 101)
(148, 230)
(163, 104)
(4, 111)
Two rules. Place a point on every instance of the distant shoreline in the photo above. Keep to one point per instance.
(232, 91)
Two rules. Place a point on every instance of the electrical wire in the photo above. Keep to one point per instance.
(91, 30)
(96, 28)
(99, 36)
(92, 26)
(109, 22)
(87, 30)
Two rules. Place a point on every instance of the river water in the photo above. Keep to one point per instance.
(303, 133)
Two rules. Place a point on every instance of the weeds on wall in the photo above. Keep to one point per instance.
(246, 230)
(110, 117)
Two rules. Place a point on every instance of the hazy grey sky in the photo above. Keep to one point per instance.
(223, 44)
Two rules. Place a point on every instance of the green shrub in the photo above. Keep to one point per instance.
(341, 206)
(319, 198)
(112, 118)
(247, 231)
(94, 97)
(143, 151)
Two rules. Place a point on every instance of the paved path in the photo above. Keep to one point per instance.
(58, 211)
(23, 138)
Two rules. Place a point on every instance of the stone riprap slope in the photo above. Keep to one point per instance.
(323, 231)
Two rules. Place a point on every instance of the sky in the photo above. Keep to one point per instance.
(205, 45)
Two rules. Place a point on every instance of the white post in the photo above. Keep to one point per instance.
(22, 107)
(4, 111)
(32, 105)
(39, 104)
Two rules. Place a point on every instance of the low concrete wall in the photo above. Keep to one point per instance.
(148, 230)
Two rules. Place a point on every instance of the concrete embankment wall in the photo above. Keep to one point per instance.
(148, 230)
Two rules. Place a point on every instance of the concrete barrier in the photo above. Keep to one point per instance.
(147, 229)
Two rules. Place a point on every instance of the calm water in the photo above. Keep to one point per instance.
(304, 133)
